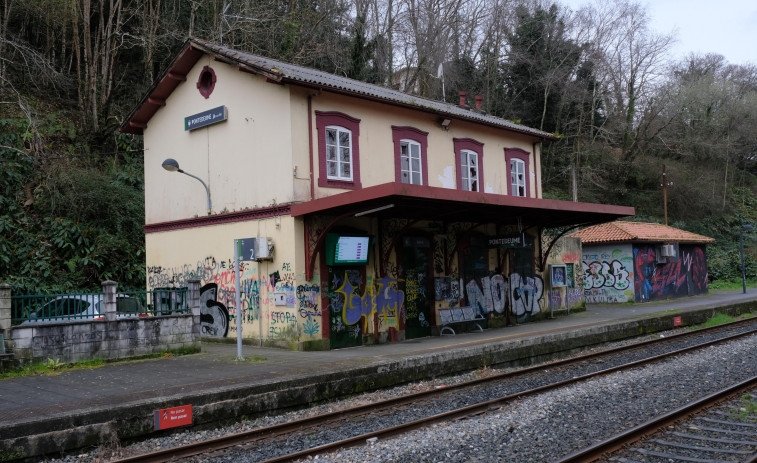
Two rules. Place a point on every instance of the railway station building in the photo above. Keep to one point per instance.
(360, 214)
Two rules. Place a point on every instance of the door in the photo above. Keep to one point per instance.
(416, 266)
(345, 287)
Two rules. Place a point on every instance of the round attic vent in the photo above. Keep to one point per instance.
(207, 81)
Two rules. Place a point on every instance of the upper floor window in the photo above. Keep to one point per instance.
(469, 160)
(517, 162)
(338, 150)
(410, 161)
(338, 153)
(469, 170)
(517, 177)
(410, 155)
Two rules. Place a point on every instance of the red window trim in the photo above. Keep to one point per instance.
(324, 119)
(525, 156)
(400, 133)
(471, 145)
(206, 90)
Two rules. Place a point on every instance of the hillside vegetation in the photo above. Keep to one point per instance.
(71, 188)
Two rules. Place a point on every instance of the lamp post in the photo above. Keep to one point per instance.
(741, 247)
(172, 165)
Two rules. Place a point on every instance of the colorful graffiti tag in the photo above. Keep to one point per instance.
(386, 299)
(686, 276)
(599, 274)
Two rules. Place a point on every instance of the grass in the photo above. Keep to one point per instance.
(719, 319)
(53, 367)
(748, 407)
(732, 285)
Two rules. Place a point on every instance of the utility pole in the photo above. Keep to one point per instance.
(665, 185)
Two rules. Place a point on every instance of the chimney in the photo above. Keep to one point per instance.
(462, 99)
(479, 99)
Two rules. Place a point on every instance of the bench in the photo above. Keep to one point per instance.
(459, 315)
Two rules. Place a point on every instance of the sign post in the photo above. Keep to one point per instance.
(244, 249)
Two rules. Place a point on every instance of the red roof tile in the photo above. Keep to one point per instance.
(627, 232)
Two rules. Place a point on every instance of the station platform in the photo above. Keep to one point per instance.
(74, 409)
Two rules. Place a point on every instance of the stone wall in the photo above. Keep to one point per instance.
(111, 338)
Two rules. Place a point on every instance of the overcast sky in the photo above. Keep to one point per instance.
(727, 27)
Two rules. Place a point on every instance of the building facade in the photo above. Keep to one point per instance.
(371, 210)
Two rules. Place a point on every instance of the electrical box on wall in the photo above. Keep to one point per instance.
(668, 250)
(264, 248)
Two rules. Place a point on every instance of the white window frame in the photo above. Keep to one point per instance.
(518, 177)
(406, 155)
(337, 150)
(465, 162)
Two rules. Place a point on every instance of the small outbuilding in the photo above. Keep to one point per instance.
(641, 262)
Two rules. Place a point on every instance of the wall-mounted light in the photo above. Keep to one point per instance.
(445, 123)
(172, 165)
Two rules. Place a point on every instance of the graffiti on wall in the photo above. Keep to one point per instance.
(600, 274)
(685, 276)
(214, 317)
(523, 293)
(385, 299)
(218, 296)
(607, 274)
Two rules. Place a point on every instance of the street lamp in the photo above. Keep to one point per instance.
(744, 228)
(172, 165)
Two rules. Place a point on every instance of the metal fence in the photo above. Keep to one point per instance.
(54, 308)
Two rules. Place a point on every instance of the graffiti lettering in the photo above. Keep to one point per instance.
(606, 274)
(387, 299)
(214, 317)
(524, 294)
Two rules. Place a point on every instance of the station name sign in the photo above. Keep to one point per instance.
(206, 118)
(505, 241)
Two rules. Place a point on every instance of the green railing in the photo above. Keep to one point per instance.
(53, 308)
(160, 301)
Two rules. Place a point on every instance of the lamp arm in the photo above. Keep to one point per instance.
(210, 205)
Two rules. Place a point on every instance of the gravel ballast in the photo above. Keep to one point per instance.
(533, 429)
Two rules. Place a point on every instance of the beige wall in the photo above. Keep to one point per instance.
(207, 253)
(260, 155)
(246, 161)
(377, 148)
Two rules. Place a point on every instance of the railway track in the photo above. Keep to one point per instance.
(293, 440)
(716, 428)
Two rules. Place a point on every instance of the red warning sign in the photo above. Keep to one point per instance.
(173, 417)
(677, 321)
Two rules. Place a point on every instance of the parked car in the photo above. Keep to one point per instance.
(84, 307)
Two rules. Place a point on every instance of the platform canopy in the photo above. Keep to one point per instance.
(397, 200)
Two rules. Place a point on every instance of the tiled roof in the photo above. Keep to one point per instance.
(630, 232)
(282, 72)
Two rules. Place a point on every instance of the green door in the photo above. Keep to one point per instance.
(416, 265)
(340, 333)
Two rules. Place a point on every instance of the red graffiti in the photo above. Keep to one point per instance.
(684, 276)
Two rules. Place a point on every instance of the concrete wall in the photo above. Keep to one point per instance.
(86, 340)
(608, 273)
(111, 338)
